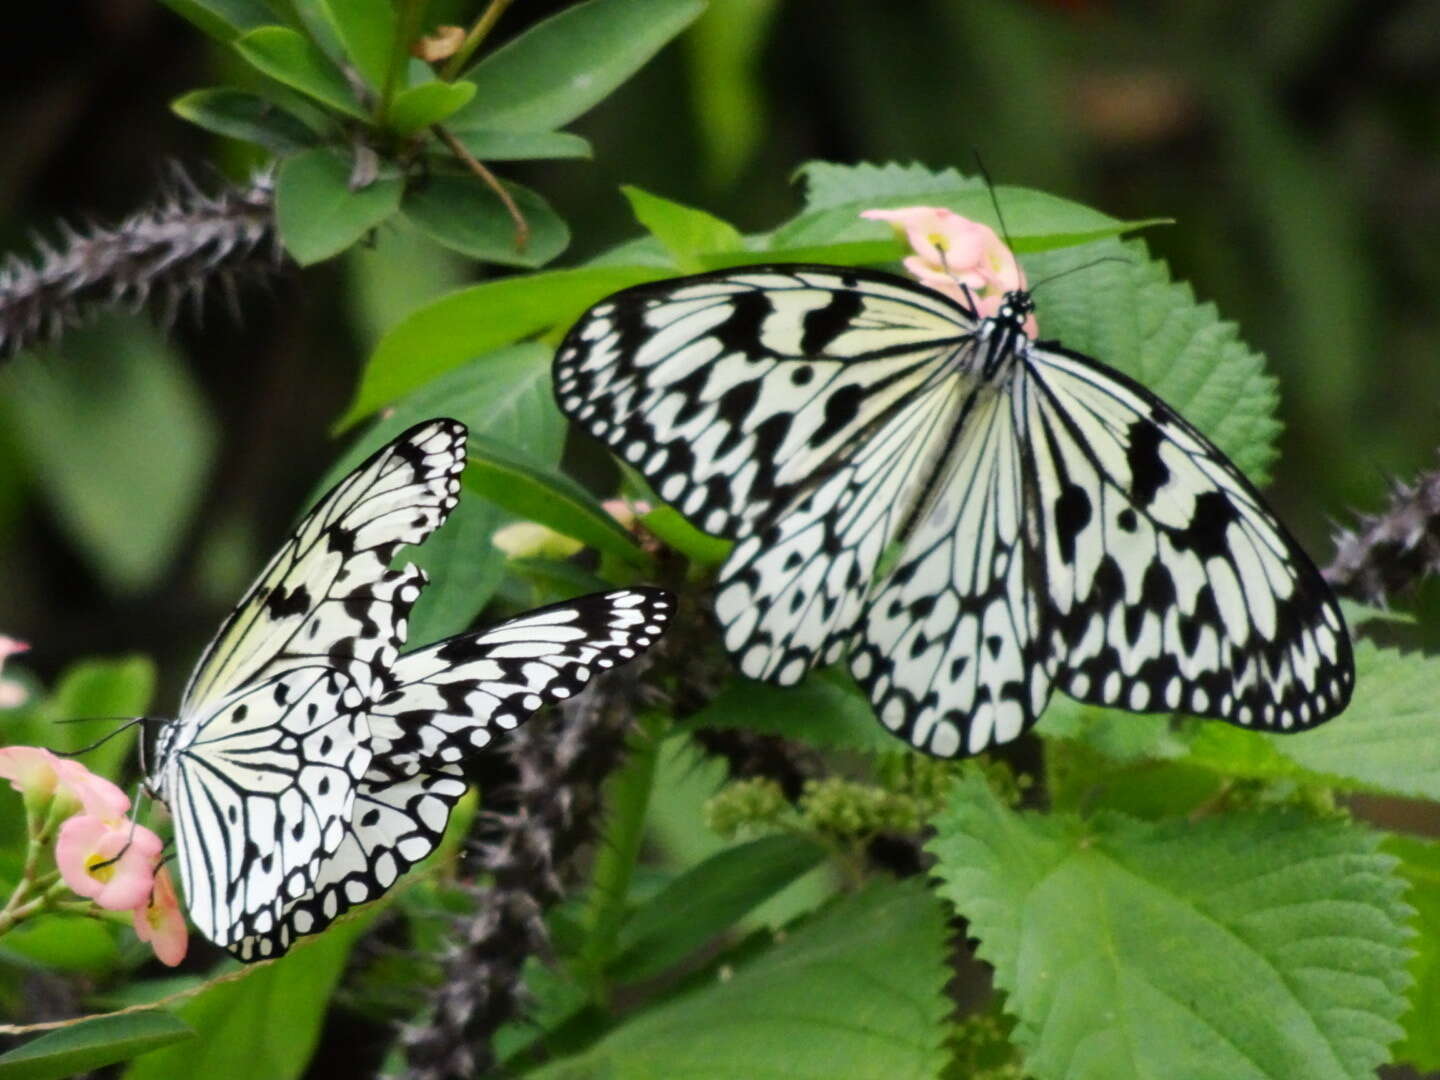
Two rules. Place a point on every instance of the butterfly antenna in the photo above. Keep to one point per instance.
(129, 723)
(1082, 266)
(994, 200)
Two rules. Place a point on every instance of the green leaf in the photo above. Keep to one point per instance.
(706, 900)
(1151, 328)
(562, 67)
(239, 114)
(548, 498)
(107, 690)
(224, 20)
(667, 523)
(728, 104)
(71, 944)
(123, 473)
(286, 1001)
(443, 335)
(1385, 741)
(850, 253)
(319, 216)
(429, 103)
(288, 57)
(855, 992)
(1034, 220)
(523, 145)
(685, 231)
(93, 1044)
(366, 29)
(463, 213)
(1248, 946)
(1420, 867)
(503, 397)
(825, 710)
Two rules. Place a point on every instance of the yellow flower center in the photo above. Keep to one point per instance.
(101, 869)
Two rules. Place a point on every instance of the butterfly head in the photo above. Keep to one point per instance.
(1018, 306)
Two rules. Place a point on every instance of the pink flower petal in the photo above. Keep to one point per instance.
(160, 922)
(108, 862)
(29, 768)
(96, 794)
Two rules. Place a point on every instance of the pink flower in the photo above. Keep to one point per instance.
(36, 771)
(160, 923)
(11, 692)
(112, 863)
(956, 256)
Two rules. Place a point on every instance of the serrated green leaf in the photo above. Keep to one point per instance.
(857, 992)
(224, 20)
(1420, 867)
(561, 67)
(441, 336)
(523, 145)
(1248, 946)
(239, 114)
(1150, 327)
(1034, 220)
(826, 710)
(288, 57)
(366, 29)
(1385, 741)
(93, 1044)
(552, 499)
(463, 213)
(505, 397)
(318, 215)
(429, 103)
(685, 231)
(706, 901)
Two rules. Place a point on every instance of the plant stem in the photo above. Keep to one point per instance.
(477, 34)
(405, 29)
(522, 227)
(627, 798)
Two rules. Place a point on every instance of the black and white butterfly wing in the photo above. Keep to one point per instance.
(792, 408)
(260, 768)
(1169, 585)
(441, 704)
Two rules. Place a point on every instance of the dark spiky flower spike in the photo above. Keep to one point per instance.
(527, 847)
(190, 243)
(1392, 549)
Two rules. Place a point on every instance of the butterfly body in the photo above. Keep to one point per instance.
(972, 518)
(311, 764)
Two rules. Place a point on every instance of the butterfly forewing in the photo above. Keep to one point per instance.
(330, 593)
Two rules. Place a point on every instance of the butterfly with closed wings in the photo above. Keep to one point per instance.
(972, 517)
(311, 764)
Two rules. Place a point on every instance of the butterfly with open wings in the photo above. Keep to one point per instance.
(311, 764)
(972, 517)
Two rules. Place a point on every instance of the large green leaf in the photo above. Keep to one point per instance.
(570, 62)
(288, 57)
(239, 114)
(707, 900)
(224, 20)
(318, 213)
(685, 231)
(367, 29)
(523, 145)
(123, 473)
(265, 1024)
(857, 992)
(442, 335)
(1420, 866)
(462, 213)
(1248, 946)
(93, 1044)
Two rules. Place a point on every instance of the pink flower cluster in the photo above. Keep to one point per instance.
(958, 257)
(101, 854)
